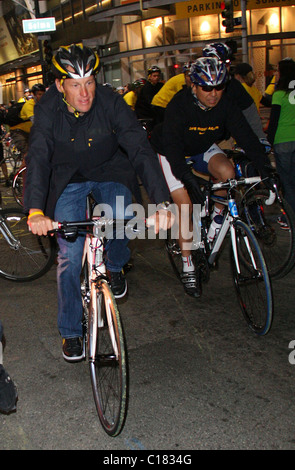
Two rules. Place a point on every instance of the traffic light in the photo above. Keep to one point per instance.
(227, 13)
(48, 54)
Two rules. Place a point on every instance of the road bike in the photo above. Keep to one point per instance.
(23, 256)
(250, 274)
(103, 336)
(264, 213)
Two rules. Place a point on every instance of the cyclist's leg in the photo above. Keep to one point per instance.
(220, 167)
(70, 206)
(115, 198)
(285, 161)
(189, 275)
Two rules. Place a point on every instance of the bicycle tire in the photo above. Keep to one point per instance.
(17, 185)
(252, 283)
(31, 256)
(107, 358)
(278, 245)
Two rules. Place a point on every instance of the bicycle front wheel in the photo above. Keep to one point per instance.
(18, 185)
(276, 241)
(23, 256)
(107, 358)
(251, 279)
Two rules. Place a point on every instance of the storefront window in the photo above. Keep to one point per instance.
(177, 31)
(134, 37)
(204, 27)
(152, 31)
(7, 89)
(288, 18)
(265, 21)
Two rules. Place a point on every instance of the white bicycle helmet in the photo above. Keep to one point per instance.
(208, 71)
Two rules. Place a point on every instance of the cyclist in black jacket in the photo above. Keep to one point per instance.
(195, 120)
(143, 107)
(85, 138)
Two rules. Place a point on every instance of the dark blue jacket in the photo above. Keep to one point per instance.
(105, 144)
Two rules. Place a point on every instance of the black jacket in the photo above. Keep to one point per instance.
(105, 144)
(188, 130)
(143, 105)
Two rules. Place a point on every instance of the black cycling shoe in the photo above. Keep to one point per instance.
(118, 284)
(191, 283)
(72, 349)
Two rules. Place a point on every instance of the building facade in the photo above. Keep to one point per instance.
(132, 35)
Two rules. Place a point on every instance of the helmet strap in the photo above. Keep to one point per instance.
(76, 112)
(202, 106)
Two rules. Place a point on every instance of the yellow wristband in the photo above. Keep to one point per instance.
(35, 213)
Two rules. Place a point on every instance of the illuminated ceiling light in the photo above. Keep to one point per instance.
(158, 22)
(205, 27)
(148, 34)
(274, 20)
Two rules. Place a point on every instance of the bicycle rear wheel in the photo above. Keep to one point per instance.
(107, 358)
(23, 256)
(251, 279)
(277, 244)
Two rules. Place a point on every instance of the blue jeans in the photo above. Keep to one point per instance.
(285, 163)
(72, 206)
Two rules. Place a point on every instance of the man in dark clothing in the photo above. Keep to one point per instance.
(143, 107)
(195, 119)
(85, 139)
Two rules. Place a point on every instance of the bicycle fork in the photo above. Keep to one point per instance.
(11, 240)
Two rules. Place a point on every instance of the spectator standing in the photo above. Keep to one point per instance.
(281, 129)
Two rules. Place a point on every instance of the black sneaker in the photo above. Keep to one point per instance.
(72, 349)
(118, 284)
(191, 283)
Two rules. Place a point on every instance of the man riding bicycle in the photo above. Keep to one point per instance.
(85, 139)
(196, 119)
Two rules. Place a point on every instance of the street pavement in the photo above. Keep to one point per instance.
(199, 378)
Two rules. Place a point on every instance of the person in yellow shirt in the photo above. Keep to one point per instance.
(244, 73)
(131, 96)
(168, 90)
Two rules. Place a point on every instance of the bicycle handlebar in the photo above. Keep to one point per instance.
(100, 225)
(244, 181)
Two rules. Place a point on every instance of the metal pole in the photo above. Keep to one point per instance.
(40, 44)
(244, 31)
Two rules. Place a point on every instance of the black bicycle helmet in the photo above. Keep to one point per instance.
(38, 87)
(152, 69)
(220, 51)
(208, 71)
(81, 60)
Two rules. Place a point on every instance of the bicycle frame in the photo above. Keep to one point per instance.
(227, 224)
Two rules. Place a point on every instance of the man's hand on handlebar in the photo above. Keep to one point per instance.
(269, 177)
(163, 218)
(39, 224)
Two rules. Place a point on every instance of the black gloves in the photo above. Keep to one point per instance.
(193, 187)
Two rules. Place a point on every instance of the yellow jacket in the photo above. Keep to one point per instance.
(255, 93)
(26, 113)
(168, 90)
(130, 99)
